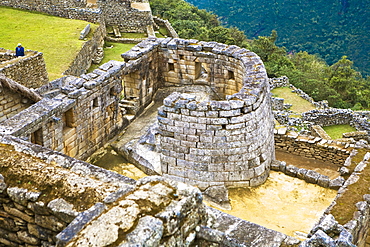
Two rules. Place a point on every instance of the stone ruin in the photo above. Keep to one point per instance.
(126, 15)
(51, 199)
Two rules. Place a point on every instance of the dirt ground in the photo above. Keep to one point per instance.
(285, 204)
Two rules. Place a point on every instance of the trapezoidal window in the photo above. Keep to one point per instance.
(171, 67)
(69, 119)
(198, 69)
(96, 102)
(36, 137)
(230, 75)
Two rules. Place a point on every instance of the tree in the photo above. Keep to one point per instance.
(344, 79)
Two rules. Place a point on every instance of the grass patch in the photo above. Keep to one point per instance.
(299, 105)
(345, 207)
(112, 51)
(57, 38)
(336, 131)
(162, 33)
(134, 35)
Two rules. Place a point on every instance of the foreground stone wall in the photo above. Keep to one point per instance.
(156, 212)
(42, 191)
(30, 70)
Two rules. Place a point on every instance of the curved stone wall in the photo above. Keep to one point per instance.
(220, 142)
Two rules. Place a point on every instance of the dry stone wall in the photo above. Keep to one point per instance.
(50, 199)
(200, 136)
(71, 9)
(42, 191)
(353, 231)
(122, 13)
(80, 119)
(11, 103)
(87, 53)
(114, 13)
(312, 147)
(30, 70)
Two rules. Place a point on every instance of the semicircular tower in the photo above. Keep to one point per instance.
(225, 140)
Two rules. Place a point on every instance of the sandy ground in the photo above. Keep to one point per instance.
(285, 204)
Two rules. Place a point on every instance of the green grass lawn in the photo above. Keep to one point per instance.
(112, 51)
(57, 38)
(336, 131)
(299, 105)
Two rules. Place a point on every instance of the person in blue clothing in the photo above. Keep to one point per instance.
(19, 50)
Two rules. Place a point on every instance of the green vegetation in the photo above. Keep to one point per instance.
(134, 35)
(340, 84)
(57, 38)
(112, 51)
(193, 23)
(336, 131)
(330, 28)
(299, 105)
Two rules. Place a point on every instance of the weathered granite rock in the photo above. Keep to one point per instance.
(319, 239)
(63, 210)
(329, 225)
(218, 195)
(336, 183)
(148, 232)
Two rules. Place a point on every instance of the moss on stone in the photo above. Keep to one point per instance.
(31, 173)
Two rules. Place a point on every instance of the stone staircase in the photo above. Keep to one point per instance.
(129, 107)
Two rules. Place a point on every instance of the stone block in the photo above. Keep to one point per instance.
(291, 170)
(301, 173)
(311, 176)
(323, 181)
(336, 183)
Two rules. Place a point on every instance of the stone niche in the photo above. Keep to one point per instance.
(225, 141)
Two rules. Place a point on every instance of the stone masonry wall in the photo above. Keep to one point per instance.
(334, 116)
(71, 9)
(312, 147)
(50, 199)
(122, 13)
(42, 191)
(30, 70)
(157, 212)
(165, 23)
(351, 229)
(80, 119)
(83, 60)
(11, 103)
(228, 142)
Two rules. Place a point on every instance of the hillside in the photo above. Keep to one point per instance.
(330, 28)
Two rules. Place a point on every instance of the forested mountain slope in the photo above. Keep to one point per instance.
(330, 28)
